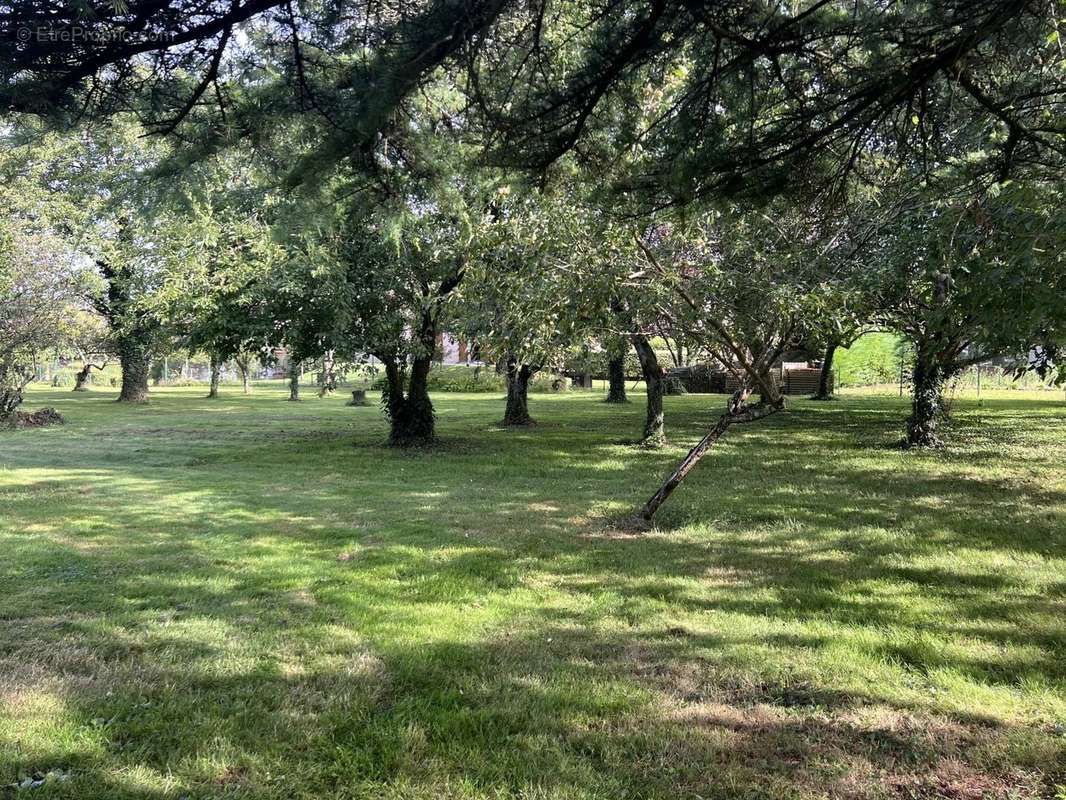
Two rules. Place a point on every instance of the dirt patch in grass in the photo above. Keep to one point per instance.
(811, 741)
(955, 780)
(855, 754)
(41, 418)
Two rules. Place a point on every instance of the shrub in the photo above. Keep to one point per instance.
(872, 359)
(459, 378)
(578, 361)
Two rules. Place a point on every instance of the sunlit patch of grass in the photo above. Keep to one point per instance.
(254, 598)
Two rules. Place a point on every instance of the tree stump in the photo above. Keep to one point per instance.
(358, 398)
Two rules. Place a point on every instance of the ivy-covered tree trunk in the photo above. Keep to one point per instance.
(654, 426)
(294, 381)
(216, 377)
(10, 400)
(517, 409)
(927, 404)
(134, 332)
(14, 378)
(411, 417)
(825, 377)
(136, 362)
(616, 375)
(409, 409)
(938, 341)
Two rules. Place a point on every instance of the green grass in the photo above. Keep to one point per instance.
(873, 358)
(253, 598)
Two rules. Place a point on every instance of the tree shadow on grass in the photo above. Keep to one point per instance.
(554, 711)
(203, 639)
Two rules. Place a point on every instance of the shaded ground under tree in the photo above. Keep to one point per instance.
(847, 620)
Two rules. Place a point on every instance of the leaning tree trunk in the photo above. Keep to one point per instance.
(616, 376)
(927, 405)
(294, 381)
(517, 411)
(216, 377)
(738, 412)
(654, 426)
(136, 365)
(825, 377)
(81, 380)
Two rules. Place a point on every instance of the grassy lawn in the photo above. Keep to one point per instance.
(254, 598)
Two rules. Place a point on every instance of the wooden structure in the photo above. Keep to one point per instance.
(792, 378)
(803, 380)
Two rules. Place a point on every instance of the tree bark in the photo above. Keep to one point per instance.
(937, 347)
(13, 382)
(616, 375)
(825, 377)
(81, 380)
(10, 400)
(294, 381)
(327, 378)
(243, 367)
(927, 404)
(654, 426)
(410, 412)
(517, 411)
(133, 332)
(738, 413)
(136, 364)
(411, 417)
(216, 377)
(85, 375)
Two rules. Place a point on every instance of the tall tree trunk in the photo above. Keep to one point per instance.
(411, 417)
(825, 377)
(133, 332)
(654, 426)
(616, 374)
(418, 422)
(936, 350)
(136, 365)
(294, 381)
(216, 377)
(243, 367)
(517, 410)
(395, 384)
(327, 378)
(927, 404)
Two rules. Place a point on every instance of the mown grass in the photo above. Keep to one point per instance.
(255, 598)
